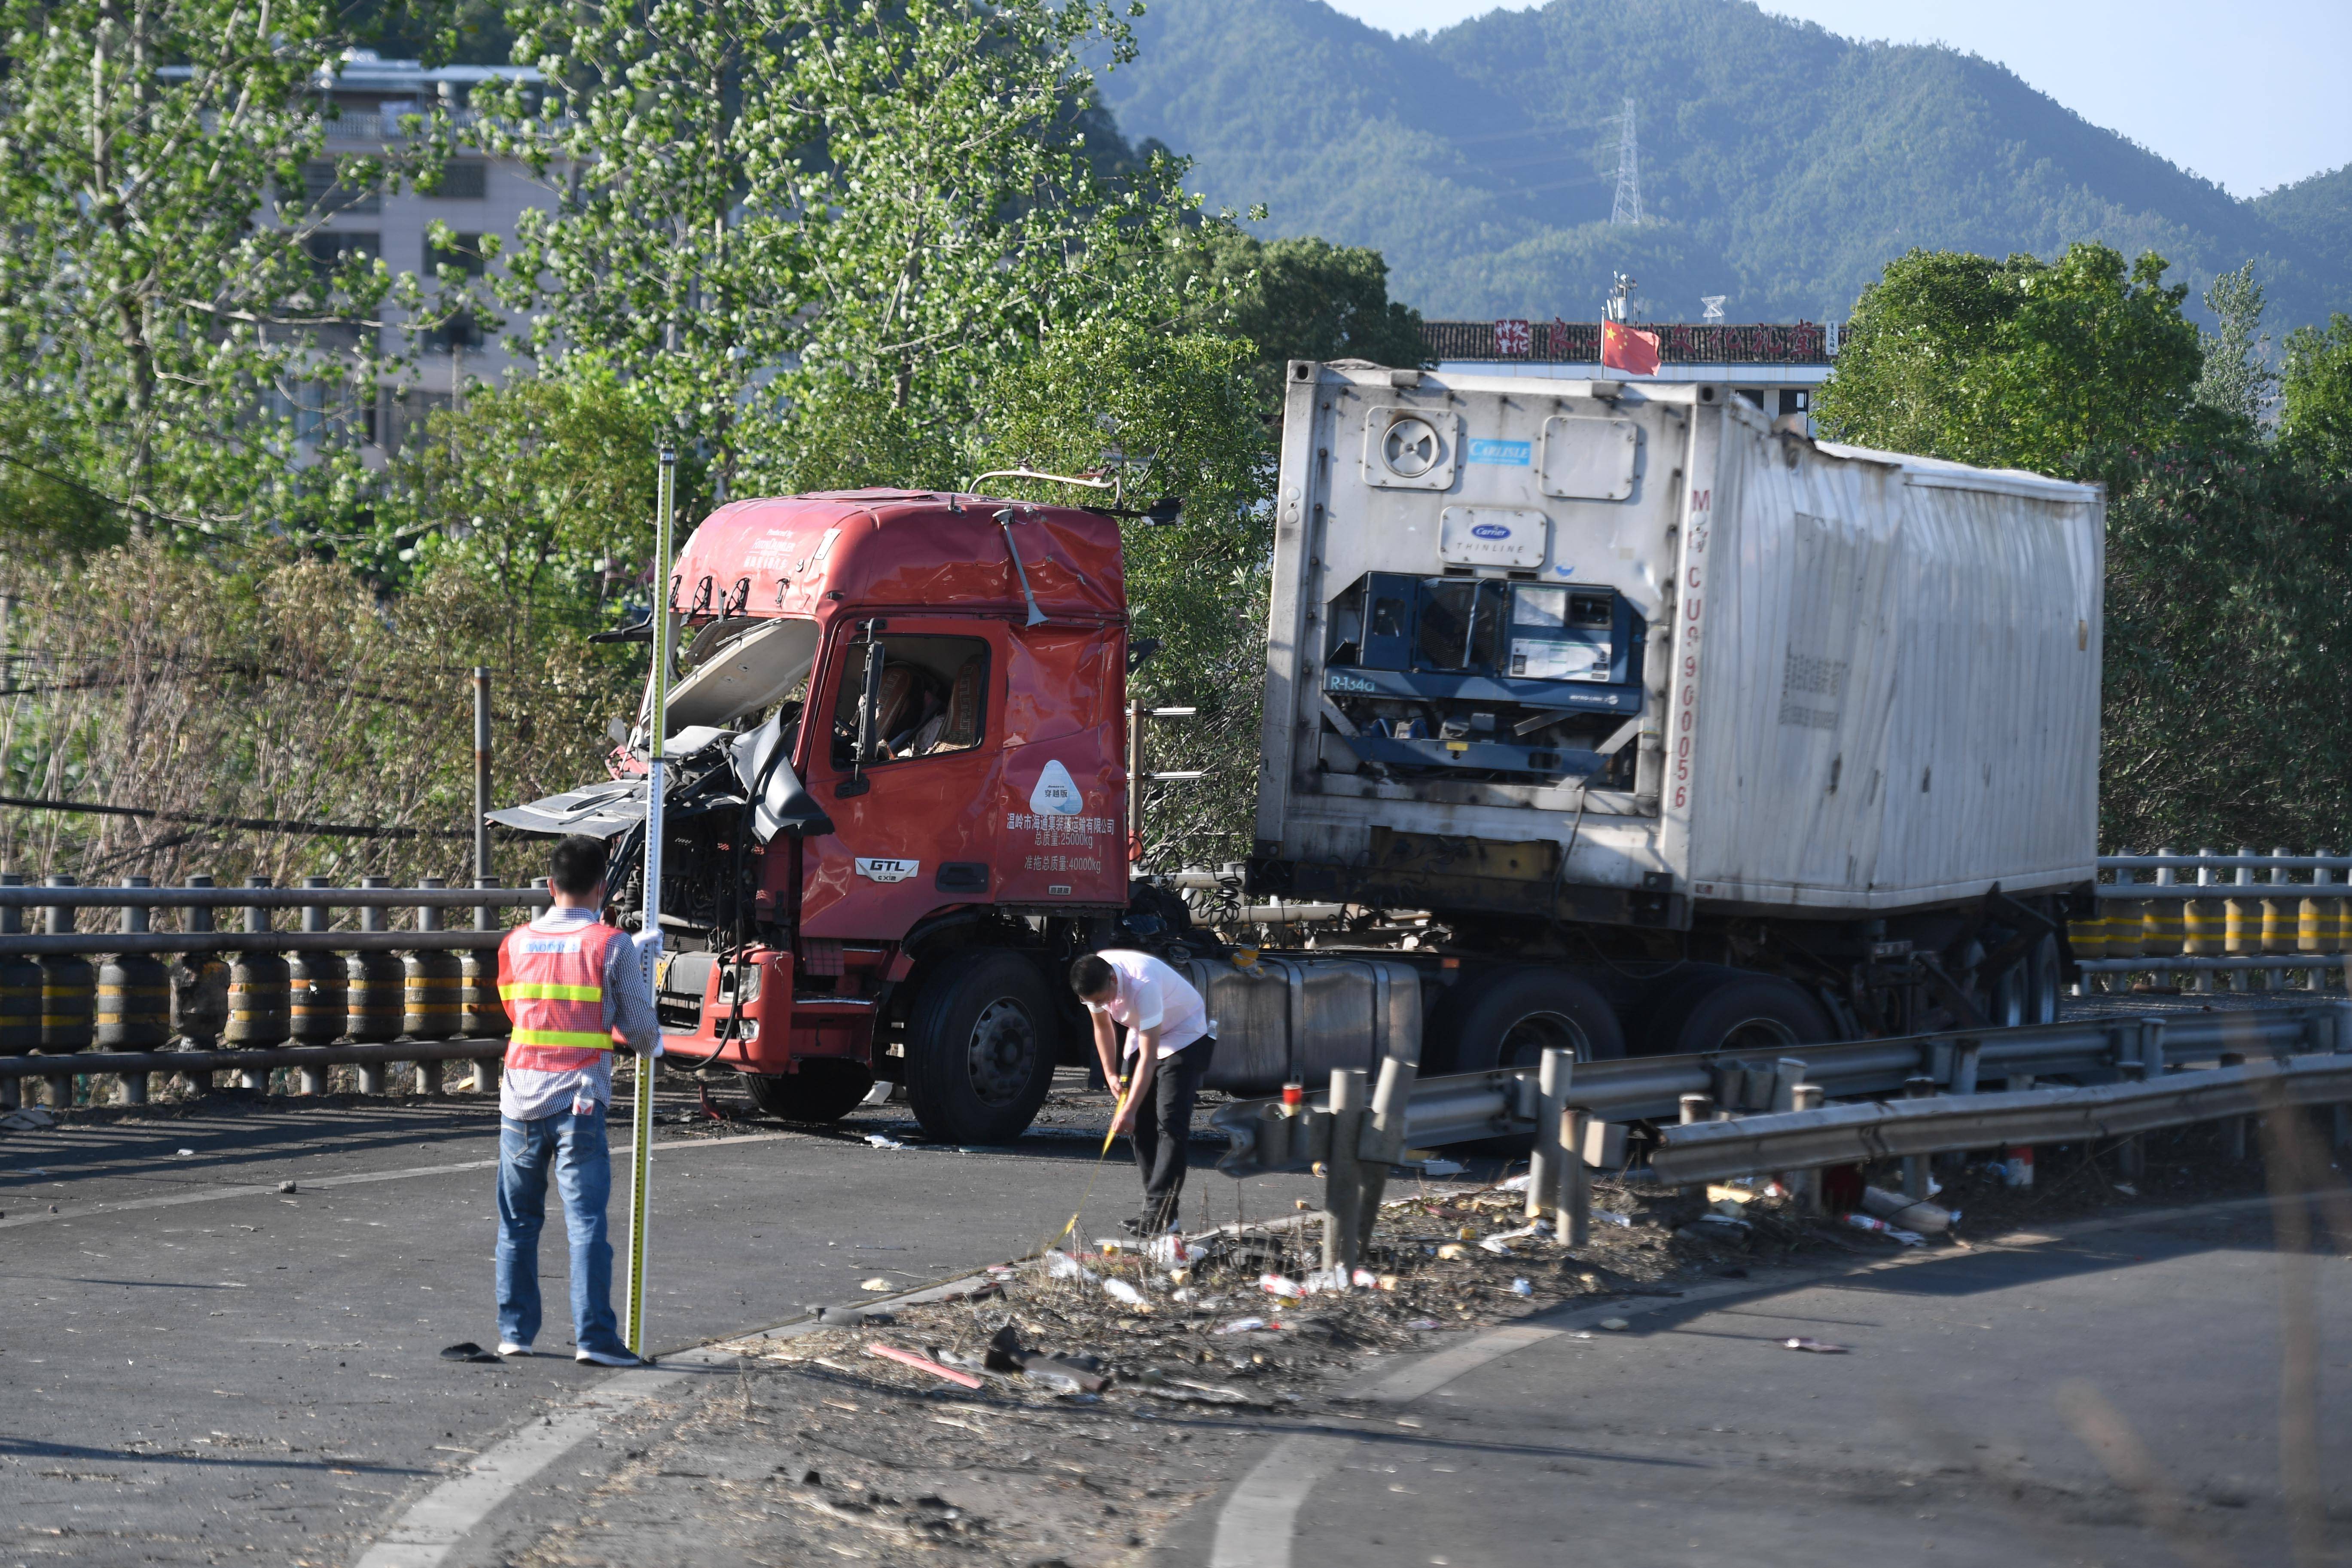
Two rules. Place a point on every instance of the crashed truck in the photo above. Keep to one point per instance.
(1611, 717)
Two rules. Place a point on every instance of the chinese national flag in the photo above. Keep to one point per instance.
(1628, 349)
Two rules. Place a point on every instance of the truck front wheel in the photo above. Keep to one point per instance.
(820, 1091)
(1510, 1019)
(979, 1047)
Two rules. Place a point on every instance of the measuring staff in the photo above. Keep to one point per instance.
(1171, 1036)
(575, 989)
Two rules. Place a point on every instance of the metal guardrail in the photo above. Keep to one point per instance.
(76, 1004)
(1858, 1135)
(1265, 1137)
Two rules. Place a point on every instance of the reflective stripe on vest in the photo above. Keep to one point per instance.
(552, 984)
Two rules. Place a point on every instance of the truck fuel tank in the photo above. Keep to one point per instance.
(1293, 1018)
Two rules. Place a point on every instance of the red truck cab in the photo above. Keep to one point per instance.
(949, 673)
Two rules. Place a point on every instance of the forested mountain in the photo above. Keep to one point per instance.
(1780, 164)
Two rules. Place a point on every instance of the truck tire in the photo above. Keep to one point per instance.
(2027, 992)
(821, 1091)
(1734, 1010)
(1510, 1017)
(980, 1043)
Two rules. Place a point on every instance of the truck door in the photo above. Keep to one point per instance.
(908, 772)
(1062, 800)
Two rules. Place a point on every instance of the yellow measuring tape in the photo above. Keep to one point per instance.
(1085, 1196)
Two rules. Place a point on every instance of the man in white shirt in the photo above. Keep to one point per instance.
(1170, 1037)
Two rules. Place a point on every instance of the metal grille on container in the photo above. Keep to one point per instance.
(134, 1002)
(374, 988)
(432, 982)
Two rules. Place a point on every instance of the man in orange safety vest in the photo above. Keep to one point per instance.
(574, 988)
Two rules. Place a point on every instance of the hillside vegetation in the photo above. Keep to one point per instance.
(1781, 165)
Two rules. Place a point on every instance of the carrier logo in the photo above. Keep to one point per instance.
(1512, 453)
(1056, 794)
(887, 870)
(1490, 531)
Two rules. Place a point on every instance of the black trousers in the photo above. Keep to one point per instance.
(1163, 1128)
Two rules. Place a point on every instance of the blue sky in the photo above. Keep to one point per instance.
(2248, 96)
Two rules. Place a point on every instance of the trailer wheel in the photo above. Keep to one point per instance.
(821, 1091)
(1733, 1010)
(979, 1047)
(2027, 993)
(1512, 1018)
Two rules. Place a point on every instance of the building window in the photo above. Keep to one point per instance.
(1795, 401)
(331, 253)
(323, 410)
(465, 255)
(462, 180)
(404, 416)
(326, 195)
(461, 330)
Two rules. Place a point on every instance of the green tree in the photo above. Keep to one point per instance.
(529, 490)
(161, 293)
(2020, 363)
(827, 212)
(2315, 413)
(1310, 298)
(2237, 379)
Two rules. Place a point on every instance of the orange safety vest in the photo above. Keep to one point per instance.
(552, 984)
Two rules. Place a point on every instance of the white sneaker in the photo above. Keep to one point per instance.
(508, 1347)
(609, 1358)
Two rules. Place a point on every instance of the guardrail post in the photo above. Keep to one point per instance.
(1790, 1073)
(1919, 1086)
(2236, 940)
(2164, 922)
(1548, 1162)
(429, 981)
(1574, 1221)
(1343, 1192)
(1382, 1143)
(1805, 1187)
(20, 997)
(2197, 924)
(2233, 1128)
(372, 982)
(68, 998)
(2131, 1154)
(1696, 1107)
(2278, 928)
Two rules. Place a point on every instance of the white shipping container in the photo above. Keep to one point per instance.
(1837, 681)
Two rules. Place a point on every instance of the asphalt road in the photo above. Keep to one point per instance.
(201, 1368)
(2111, 1396)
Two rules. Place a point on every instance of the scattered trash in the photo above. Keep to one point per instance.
(1718, 1194)
(850, 1317)
(1077, 1374)
(1173, 1251)
(1615, 1325)
(466, 1350)
(879, 1094)
(876, 1283)
(1517, 1184)
(1441, 1168)
(1819, 1347)
(285, 1186)
(2127, 1189)
(32, 1119)
(1062, 1266)
(1365, 1279)
(185, 1153)
(1495, 1245)
(1912, 1215)
(1422, 1323)
(1453, 1252)
(1610, 1216)
(2018, 1169)
(883, 1141)
(1277, 1285)
(1872, 1222)
(1187, 1297)
(974, 1290)
(1539, 1231)
(923, 1363)
(1120, 1291)
(1522, 1288)
(1581, 1334)
(1245, 1325)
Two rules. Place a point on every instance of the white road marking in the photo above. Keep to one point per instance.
(360, 1178)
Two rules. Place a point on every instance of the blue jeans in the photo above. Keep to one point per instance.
(575, 1146)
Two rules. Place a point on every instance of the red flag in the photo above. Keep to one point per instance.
(1628, 349)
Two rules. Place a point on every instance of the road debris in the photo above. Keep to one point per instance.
(32, 1119)
(466, 1350)
(1615, 1325)
(1910, 1214)
(922, 1364)
(1819, 1347)
(884, 1141)
(876, 1283)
